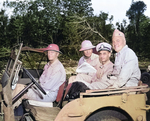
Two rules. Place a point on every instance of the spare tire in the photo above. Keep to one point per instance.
(145, 78)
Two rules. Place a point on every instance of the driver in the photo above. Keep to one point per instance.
(52, 77)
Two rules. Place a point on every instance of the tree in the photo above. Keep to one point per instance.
(134, 29)
(93, 28)
(42, 21)
(135, 13)
(122, 26)
(3, 28)
(76, 7)
(4, 42)
(145, 37)
(103, 25)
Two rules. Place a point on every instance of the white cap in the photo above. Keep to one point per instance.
(103, 46)
(86, 44)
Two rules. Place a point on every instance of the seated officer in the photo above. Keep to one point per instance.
(104, 69)
(52, 77)
(89, 59)
(126, 69)
(97, 80)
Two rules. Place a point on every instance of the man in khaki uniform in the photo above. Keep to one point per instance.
(104, 69)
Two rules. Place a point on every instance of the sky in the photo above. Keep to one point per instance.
(117, 8)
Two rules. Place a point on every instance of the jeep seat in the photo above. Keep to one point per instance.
(42, 113)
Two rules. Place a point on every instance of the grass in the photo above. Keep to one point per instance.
(144, 64)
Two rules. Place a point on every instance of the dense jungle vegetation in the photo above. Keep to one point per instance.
(67, 23)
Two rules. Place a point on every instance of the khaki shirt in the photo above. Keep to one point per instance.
(100, 80)
(103, 70)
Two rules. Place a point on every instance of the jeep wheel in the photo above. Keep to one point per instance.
(104, 118)
(145, 78)
(108, 115)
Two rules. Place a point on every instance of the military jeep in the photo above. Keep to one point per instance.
(123, 104)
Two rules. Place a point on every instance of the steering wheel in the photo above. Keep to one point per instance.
(37, 91)
(34, 81)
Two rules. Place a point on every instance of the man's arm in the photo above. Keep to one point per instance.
(81, 60)
(102, 83)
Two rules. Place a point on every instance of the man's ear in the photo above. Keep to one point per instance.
(124, 41)
(57, 54)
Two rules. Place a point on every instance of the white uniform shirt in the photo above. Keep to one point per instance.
(126, 68)
(93, 60)
(52, 77)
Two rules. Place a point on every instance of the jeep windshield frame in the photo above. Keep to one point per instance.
(8, 77)
(11, 65)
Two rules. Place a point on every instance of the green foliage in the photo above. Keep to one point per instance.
(137, 31)
(5, 52)
(76, 7)
(38, 23)
(33, 60)
(3, 29)
(67, 23)
(136, 11)
(4, 55)
(101, 24)
(78, 28)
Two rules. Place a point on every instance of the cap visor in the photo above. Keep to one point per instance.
(82, 49)
(47, 49)
(104, 50)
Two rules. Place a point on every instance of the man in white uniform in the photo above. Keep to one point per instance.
(126, 69)
(52, 77)
(88, 58)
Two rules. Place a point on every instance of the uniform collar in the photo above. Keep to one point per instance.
(54, 63)
(122, 50)
(101, 66)
(91, 58)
